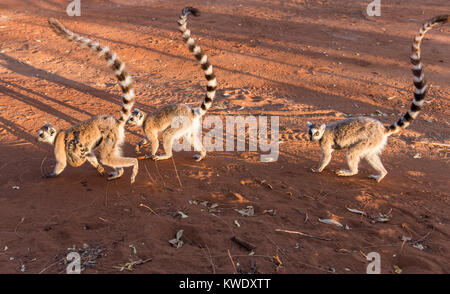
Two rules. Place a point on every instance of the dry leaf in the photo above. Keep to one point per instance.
(270, 211)
(134, 249)
(249, 211)
(355, 211)
(418, 246)
(397, 270)
(182, 214)
(177, 243)
(330, 222)
(179, 234)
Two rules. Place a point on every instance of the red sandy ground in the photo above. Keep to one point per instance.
(300, 60)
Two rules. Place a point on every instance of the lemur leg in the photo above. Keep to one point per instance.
(140, 144)
(169, 135)
(198, 146)
(61, 162)
(325, 160)
(117, 173)
(90, 157)
(110, 156)
(59, 167)
(119, 163)
(375, 162)
(153, 138)
(353, 157)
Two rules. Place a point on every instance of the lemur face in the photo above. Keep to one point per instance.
(136, 118)
(47, 134)
(315, 132)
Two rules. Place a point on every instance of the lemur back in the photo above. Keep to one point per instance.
(179, 120)
(365, 137)
(76, 145)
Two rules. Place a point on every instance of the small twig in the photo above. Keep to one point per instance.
(423, 238)
(21, 143)
(129, 265)
(243, 243)
(392, 97)
(106, 195)
(278, 260)
(15, 230)
(254, 255)
(312, 266)
(382, 245)
(301, 212)
(42, 163)
(143, 205)
(46, 268)
(305, 235)
(434, 143)
(232, 262)
(362, 253)
(103, 219)
(148, 173)
(157, 169)
(210, 259)
(229, 227)
(276, 245)
(176, 172)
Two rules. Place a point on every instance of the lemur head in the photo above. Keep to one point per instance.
(47, 133)
(136, 117)
(315, 132)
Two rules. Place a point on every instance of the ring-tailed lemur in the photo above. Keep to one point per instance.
(104, 133)
(365, 137)
(179, 120)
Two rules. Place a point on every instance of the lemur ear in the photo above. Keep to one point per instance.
(309, 124)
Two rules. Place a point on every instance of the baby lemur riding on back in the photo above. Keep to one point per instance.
(365, 137)
(103, 133)
(179, 120)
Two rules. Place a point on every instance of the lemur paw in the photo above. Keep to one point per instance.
(113, 176)
(316, 170)
(49, 175)
(198, 157)
(345, 173)
(377, 178)
(101, 170)
(161, 157)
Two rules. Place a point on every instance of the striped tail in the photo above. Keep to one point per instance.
(125, 80)
(201, 57)
(419, 80)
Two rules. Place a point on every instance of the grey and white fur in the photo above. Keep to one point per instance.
(105, 134)
(176, 121)
(366, 137)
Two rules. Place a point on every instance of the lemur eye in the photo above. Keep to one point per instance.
(316, 134)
